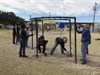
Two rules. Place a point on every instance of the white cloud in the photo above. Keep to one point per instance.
(58, 7)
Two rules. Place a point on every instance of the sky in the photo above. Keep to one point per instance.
(81, 9)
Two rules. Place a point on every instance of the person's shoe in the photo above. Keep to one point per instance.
(25, 56)
(83, 63)
(64, 53)
(81, 59)
(13, 43)
(51, 54)
(20, 55)
(45, 54)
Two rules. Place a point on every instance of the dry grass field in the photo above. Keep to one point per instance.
(57, 64)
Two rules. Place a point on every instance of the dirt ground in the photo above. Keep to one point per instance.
(57, 64)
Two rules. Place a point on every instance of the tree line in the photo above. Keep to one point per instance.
(7, 18)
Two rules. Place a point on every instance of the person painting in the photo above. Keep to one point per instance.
(59, 41)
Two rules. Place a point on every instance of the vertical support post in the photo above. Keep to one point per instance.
(42, 28)
(75, 40)
(31, 24)
(70, 37)
(32, 33)
(36, 36)
(93, 21)
(60, 32)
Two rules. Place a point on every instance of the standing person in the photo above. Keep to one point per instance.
(84, 42)
(42, 42)
(27, 31)
(60, 41)
(23, 39)
(18, 34)
(14, 34)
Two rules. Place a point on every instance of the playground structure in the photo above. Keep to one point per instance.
(69, 19)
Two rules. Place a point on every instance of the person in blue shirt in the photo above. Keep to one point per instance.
(85, 39)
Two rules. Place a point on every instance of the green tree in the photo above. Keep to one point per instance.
(10, 18)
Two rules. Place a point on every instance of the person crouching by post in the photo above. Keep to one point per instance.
(23, 39)
(42, 42)
(60, 41)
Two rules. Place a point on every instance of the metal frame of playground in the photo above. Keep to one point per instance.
(69, 19)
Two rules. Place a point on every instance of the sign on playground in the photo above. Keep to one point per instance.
(61, 25)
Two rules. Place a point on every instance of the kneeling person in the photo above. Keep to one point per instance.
(42, 42)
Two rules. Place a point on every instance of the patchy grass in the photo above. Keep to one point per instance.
(11, 64)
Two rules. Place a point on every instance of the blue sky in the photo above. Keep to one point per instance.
(81, 9)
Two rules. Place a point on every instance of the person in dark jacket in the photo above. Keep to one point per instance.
(17, 34)
(14, 34)
(23, 39)
(59, 41)
(42, 42)
(85, 39)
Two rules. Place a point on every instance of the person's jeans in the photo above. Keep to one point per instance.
(44, 48)
(17, 38)
(22, 47)
(53, 49)
(62, 50)
(84, 46)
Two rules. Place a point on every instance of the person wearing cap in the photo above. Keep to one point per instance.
(59, 41)
(85, 39)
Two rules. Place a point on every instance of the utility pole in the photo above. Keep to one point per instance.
(49, 21)
(94, 8)
(49, 16)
